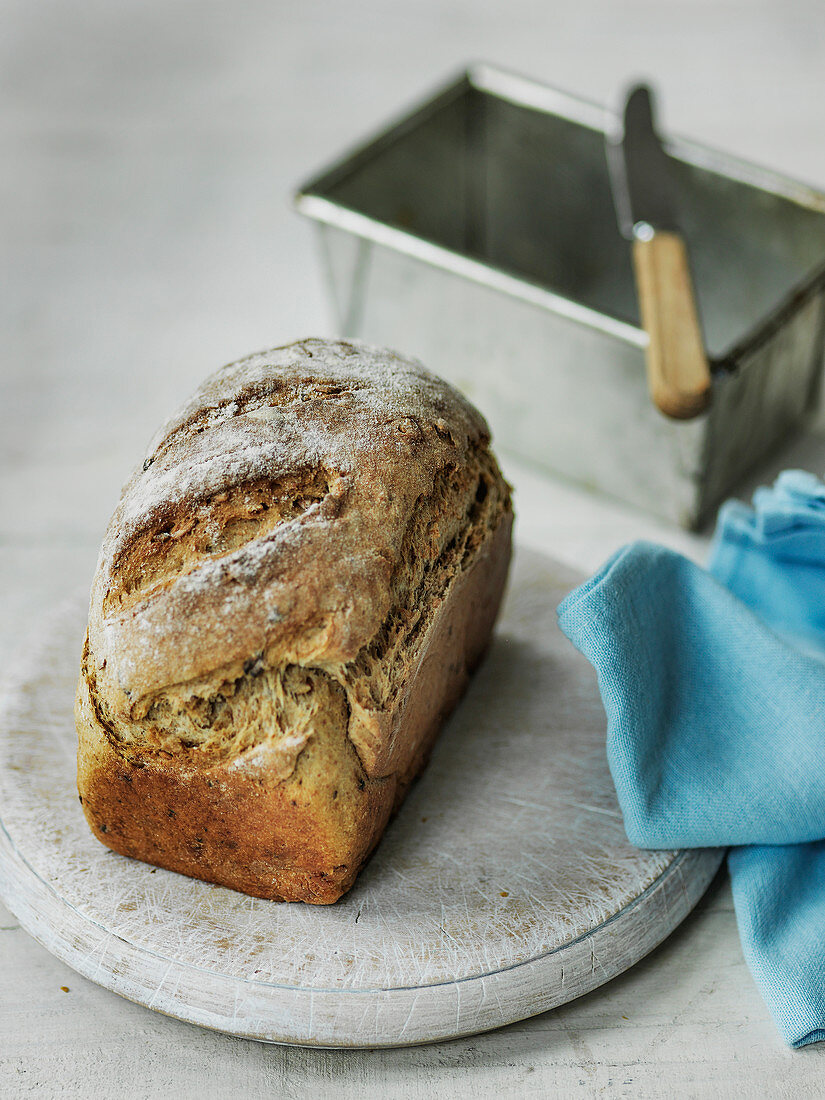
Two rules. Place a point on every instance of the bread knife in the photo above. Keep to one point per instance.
(640, 174)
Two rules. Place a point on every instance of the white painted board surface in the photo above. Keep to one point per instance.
(505, 886)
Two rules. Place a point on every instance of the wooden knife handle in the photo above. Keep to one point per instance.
(678, 374)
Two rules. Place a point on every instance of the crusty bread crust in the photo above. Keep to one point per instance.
(290, 599)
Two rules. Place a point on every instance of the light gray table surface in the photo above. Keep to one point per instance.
(148, 152)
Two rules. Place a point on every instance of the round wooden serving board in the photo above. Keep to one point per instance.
(504, 887)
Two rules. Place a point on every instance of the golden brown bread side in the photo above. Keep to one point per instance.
(290, 598)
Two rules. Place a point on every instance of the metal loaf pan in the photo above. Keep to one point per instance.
(478, 233)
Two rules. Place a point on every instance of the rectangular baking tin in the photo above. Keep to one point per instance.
(478, 234)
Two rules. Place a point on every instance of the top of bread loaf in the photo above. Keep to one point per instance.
(268, 517)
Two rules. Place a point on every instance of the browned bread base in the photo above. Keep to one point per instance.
(307, 837)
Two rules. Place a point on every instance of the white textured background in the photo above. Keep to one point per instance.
(147, 155)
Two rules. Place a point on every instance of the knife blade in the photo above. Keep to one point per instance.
(644, 195)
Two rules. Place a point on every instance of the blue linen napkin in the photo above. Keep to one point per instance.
(714, 687)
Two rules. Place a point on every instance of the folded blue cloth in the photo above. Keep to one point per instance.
(714, 688)
(772, 556)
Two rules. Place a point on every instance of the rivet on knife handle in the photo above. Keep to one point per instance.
(677, 367)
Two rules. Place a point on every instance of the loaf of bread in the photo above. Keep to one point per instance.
(290, 598)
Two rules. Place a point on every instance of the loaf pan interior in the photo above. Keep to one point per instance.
(514, 175)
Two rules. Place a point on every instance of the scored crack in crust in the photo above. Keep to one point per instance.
(290, 598)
